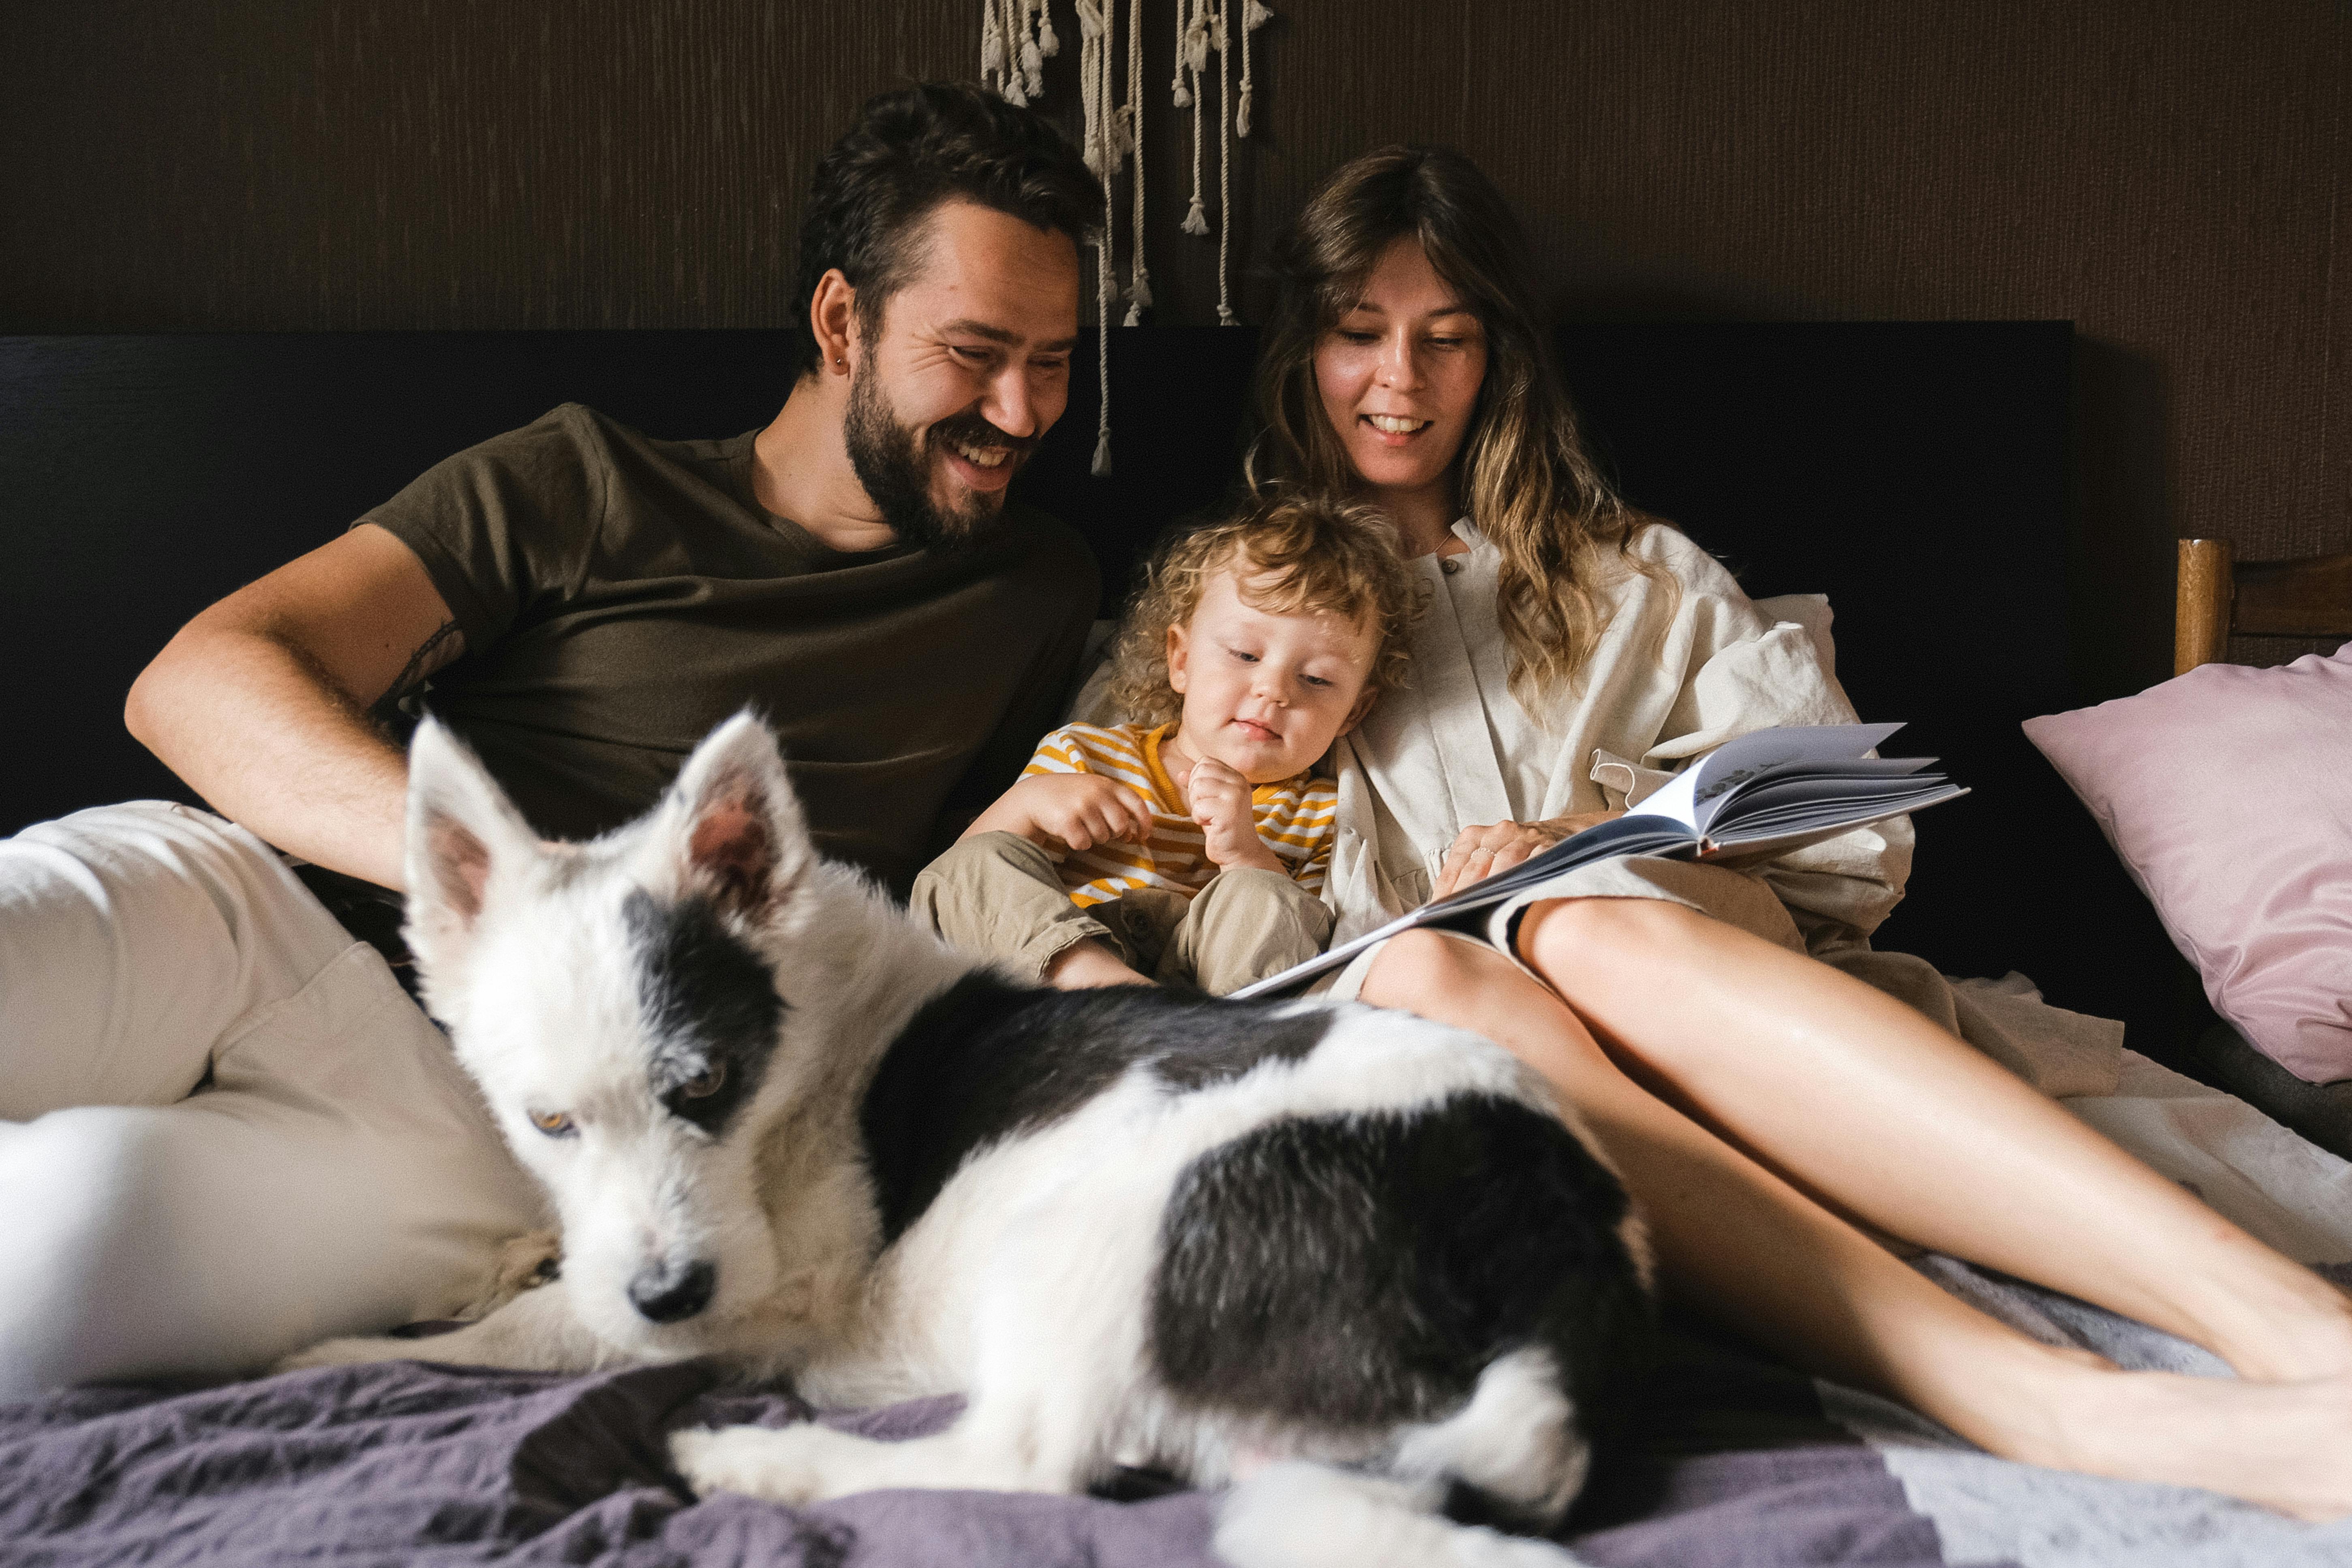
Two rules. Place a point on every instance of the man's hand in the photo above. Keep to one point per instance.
(262, 702)
(1076, 810)
(1478, 853)
(1220, 799)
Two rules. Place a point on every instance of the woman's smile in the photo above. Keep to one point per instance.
(1394, 431)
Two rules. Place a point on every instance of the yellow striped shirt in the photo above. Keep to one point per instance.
(1296, 818)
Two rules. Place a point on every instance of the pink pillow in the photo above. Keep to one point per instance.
(2227, 792)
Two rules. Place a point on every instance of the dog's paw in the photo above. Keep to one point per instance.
(796, 1464)
(347, 1353)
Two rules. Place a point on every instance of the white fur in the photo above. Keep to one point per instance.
(1309, 1516)
(1024, 1282)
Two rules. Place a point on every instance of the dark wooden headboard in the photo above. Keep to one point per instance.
(1916, 473)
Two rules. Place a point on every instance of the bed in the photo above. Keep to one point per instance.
(144, 476)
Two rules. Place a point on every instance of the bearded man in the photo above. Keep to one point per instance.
(224, 1130)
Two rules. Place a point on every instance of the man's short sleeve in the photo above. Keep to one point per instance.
(505, 525)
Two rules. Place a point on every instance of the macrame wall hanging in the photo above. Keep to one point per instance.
(1016, 39)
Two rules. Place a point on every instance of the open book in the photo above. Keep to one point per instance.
(1747, 801)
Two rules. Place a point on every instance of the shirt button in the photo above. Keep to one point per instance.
(1449, 566)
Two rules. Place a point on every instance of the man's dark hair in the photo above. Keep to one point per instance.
(910, 152)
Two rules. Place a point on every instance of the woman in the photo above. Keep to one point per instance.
(1768, 1109)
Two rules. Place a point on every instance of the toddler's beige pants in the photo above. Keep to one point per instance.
(998, 894)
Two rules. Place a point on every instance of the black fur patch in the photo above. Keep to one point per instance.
(986, 1060)
(708, 1004)
(1360, 1270)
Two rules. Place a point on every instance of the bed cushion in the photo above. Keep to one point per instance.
(2227, 792)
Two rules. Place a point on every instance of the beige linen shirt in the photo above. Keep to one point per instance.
(1684, 665)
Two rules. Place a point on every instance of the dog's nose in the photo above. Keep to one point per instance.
(669, 1292)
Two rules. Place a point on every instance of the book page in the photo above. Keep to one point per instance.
(1699, 791)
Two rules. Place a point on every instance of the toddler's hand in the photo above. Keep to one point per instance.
(1076, 810)
(1220, 799)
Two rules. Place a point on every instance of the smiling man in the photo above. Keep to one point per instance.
(582, 603)
(588, 602)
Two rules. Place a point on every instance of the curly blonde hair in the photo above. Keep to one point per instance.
(1292, 555)
(1525, 477)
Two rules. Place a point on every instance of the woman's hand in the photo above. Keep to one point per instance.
(1220, 799)
(1076, 811)
(1480, 852)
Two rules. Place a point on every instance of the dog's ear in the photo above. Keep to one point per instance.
(461, 827)
(734, 825)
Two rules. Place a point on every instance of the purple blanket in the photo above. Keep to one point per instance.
(409, 1462)
(1740, 1463)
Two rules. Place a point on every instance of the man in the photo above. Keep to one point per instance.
(585, 603)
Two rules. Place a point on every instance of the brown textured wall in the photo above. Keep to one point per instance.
(2169, 176)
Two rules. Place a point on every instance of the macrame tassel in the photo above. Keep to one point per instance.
(1224, 43)
(1254, 16)
(1094, 140)
(1138, 278)
(1033, 67)
(1048, 43)
(1098, 76)
(1193, 52)
(1196, 38)
(992, 50)
(1183, 93)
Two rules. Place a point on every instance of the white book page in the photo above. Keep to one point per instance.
(1693, 796)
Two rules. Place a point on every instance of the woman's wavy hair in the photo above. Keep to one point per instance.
(1525, 478)
(1297, 553)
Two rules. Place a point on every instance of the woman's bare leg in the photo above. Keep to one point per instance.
(1736, 1241)
(1868, 1104)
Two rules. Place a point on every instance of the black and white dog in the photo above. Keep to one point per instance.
(1353, 1260)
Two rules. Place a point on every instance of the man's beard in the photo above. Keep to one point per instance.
(893, 466)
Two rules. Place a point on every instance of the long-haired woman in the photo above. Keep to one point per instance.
(1771, 1089)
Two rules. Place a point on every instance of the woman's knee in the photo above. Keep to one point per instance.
(1412, 968)
(1564, 939)
(1451, 980)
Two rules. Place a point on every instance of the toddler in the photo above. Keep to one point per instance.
(1191, 846)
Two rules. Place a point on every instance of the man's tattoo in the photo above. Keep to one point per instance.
(421, 664)
(397, 712)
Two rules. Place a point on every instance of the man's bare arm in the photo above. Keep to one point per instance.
(262, 702)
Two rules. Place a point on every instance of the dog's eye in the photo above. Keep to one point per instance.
(554, 1123)
(704, 1084)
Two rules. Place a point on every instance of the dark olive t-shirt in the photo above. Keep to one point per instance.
(620, 597)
